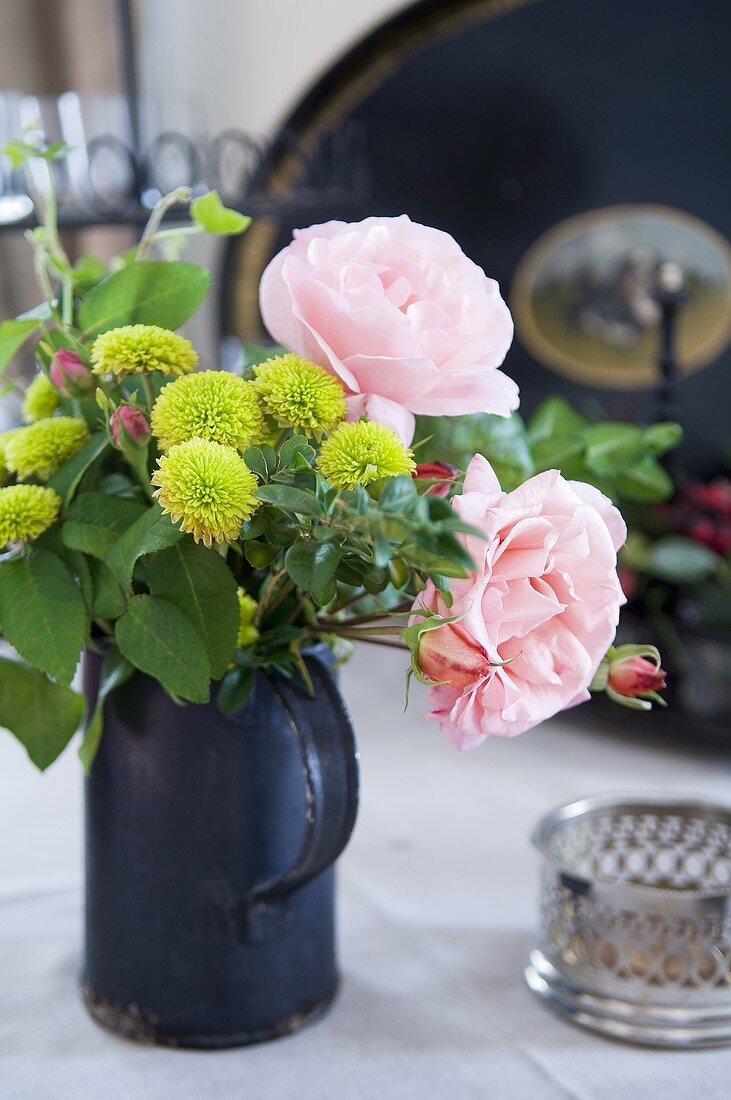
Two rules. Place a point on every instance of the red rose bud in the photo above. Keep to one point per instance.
(445, 657)
(69, 374)
(442, 471)
(128, 422)
(636, 676)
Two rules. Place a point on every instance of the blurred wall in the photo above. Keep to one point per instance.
(247, 61)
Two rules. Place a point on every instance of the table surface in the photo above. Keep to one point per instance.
(437, 904)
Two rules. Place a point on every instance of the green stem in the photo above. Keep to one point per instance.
(181, 194)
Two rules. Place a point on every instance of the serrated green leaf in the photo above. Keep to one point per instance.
(210, 213)
(154, 530)
(198, 582)
(13, 334)
(95, 521)
(312, 565)
(42, 613)
(150, 293)
(115, 671)
(157, 638)
(43, 715)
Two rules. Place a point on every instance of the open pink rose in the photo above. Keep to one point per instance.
(398, 312)
(537, 616)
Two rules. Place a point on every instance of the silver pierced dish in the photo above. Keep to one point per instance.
(635, 924)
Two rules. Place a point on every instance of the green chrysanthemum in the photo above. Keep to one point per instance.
(207, 488)
(40, 449)
(5, 438)
(299, 394)
(135, 348)
(357, 454)
(26, 511)
(211, 404)
(248, 633)
(41, 399)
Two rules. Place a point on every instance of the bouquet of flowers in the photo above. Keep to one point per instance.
(198, 525)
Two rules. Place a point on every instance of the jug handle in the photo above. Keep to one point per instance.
(326, 739)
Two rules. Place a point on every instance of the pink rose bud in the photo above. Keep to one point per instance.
(66, 368)
(128, 422)
(445, 657)
(633, 676)
(441, 470)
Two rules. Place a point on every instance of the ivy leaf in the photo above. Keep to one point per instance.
(157, 638)
(95, 521)
(13, 334)
(154, 530)
(151, 293)
(67, 478)
(312, 565)
(198, 582)
(42, 613)
(210, 213)
(290, 499)
(115, 671)
(43, 715)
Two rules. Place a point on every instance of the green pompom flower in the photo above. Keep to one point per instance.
(135, 348)
(40, 449)
(299, 394)
(5, 438)
(211, 404)
(248, 634)
(357, 454)
(207, 488)
(41, 399)
(26, 511)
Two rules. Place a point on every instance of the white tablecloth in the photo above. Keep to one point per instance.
(437, 904)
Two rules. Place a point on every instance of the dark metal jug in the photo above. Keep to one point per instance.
(210, 841)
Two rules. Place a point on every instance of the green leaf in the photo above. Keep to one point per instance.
(42, 613)
(108, 600)
(151, 293)
(681, 561)
(611, 446)
(662, 437)
(210, 213)
(199, 583)
(235, 689)
(553, 452)
(95, 521)
(290, 499)
(645, 482)
(154, 530)
(252, 354)
(160, 640)
(555, 417)
(43, 716)
(115, 671)
(294, 446)
(262, 461)
(13, 334)
(312, 565)
(67, 478)
(398, 495)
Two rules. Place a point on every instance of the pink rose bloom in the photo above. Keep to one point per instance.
(398, 313)
(636, 676)
(545, 598)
